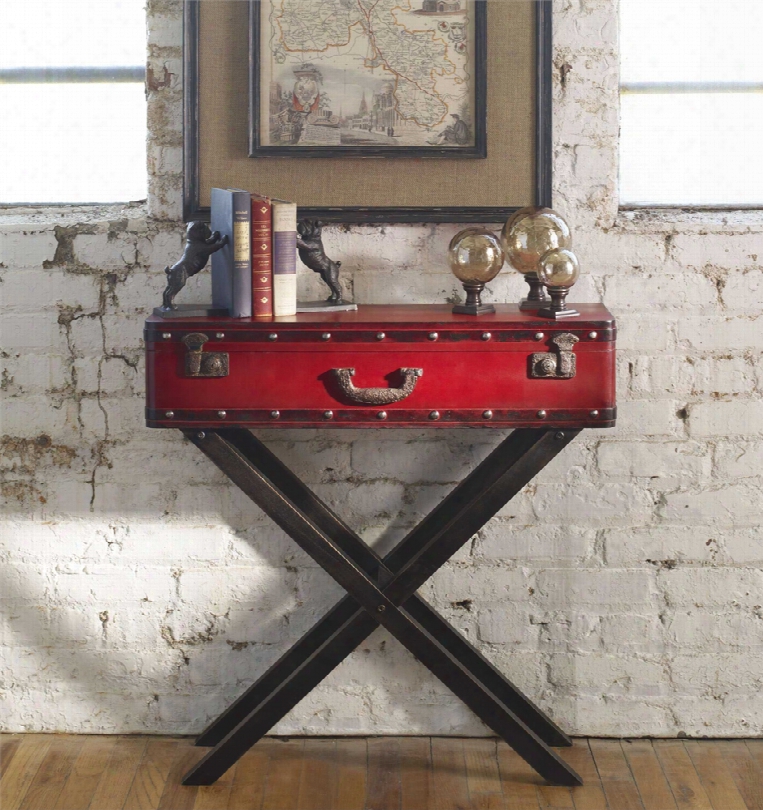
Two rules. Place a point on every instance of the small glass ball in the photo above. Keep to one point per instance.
(559, 268)
(476, 256)
(530, 233)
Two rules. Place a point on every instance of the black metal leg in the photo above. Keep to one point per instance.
(502, 475)
(280, 678)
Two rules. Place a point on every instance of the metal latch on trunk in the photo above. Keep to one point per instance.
(556, 365)
(199, 363)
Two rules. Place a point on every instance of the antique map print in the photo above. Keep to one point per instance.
(381, 73)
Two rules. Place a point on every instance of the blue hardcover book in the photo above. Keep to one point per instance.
(232, 266)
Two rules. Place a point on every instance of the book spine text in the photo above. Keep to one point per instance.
(284, 259)
(242, 255)
(262, 258)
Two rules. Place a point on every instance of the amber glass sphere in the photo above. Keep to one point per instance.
(530, 233)
(476, 256)
(559, 268)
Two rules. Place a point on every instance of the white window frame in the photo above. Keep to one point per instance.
(70, 75)
(680, 88)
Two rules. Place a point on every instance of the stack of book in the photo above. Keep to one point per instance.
(255, 274)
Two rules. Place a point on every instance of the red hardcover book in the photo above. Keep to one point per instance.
(262, 257)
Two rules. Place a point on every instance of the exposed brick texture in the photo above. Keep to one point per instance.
(140, 592)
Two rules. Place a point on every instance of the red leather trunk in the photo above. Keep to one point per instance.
(500, 370)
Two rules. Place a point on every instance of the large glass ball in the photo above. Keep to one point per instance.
(476, 256)
(530, 233)
(559, 268)
(518, 214)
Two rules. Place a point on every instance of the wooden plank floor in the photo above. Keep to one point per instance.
(68, 772)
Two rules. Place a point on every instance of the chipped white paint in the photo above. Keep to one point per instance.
(622, 590)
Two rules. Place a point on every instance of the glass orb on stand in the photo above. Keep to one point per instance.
(559, 270)
(476, 257)
(528, 235)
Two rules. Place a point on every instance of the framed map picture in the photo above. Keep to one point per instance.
(267, 84)
(368, 78)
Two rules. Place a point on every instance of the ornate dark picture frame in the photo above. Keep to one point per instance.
(476, 150)
(542, 152)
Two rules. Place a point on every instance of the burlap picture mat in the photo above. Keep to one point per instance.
(505, 179)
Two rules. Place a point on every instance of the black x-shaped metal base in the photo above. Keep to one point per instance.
(383, 592)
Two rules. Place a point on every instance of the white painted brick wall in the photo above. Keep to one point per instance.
(739, 417)
(139, 591)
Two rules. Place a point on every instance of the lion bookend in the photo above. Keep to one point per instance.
(313, 255)
(200, 244)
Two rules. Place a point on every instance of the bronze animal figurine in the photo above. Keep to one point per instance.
(200, 244)
(313, 255)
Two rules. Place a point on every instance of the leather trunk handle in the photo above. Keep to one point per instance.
(377, 396)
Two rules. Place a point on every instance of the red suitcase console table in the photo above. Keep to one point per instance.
(383, 366)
